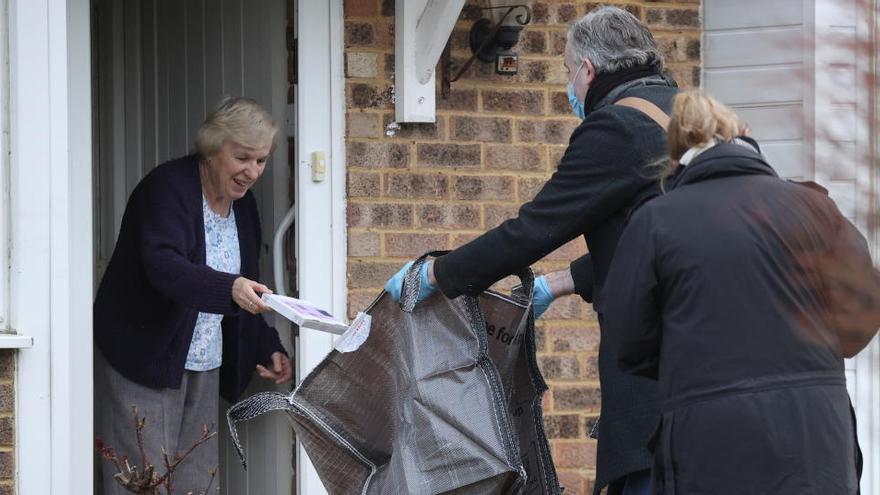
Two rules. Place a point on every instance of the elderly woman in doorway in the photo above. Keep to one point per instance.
(177, 314)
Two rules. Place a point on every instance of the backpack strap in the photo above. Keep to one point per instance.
(647, 108)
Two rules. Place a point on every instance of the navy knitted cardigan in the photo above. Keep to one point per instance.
(158, 281)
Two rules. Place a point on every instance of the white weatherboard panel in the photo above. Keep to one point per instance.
(165, 65)
(753, 47)
(752, 14)
(843, 79)
(727, 84)
(844, 194)
(787, 157)
(839, 124)
(840, 162)
(771, 123)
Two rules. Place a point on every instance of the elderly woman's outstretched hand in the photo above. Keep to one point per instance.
(246, 293)
(280, 371)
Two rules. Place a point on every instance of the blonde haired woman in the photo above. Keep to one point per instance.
(726, 290)
(176, 316)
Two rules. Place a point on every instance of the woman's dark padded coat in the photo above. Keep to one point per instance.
(720, 290)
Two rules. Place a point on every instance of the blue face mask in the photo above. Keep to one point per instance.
(577, 106)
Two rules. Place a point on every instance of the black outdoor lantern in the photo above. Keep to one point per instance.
(492, 38)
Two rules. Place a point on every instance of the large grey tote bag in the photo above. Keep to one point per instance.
(443, 397)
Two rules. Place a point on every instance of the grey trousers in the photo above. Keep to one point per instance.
(174, 421)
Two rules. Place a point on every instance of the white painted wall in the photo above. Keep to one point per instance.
(788, 68)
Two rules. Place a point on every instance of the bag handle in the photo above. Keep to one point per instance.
(647, 108)
(248, 409)
(412, 281)
(409, 293)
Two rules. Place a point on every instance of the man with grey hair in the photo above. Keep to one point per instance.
(618, 89)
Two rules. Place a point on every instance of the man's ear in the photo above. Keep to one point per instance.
(590, 70)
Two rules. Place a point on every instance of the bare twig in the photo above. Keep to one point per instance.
(144, 480)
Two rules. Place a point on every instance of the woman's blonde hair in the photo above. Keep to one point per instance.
(237, 119)
(696, 120)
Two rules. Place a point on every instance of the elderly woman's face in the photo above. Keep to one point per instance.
(235, 168)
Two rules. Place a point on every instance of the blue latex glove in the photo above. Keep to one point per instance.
(542, 296)
(395, 283)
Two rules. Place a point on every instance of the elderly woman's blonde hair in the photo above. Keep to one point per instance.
(236, 119)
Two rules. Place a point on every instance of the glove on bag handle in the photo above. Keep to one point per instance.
(412, 281)
(409, 293)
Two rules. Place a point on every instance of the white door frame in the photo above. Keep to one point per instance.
(51, 242)
(51, 229)
(321, 216)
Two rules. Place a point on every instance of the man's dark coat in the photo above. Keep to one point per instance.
(601, 176)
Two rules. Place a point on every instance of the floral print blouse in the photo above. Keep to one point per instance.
(222, 254)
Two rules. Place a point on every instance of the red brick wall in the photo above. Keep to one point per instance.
(7, 422)
(495, 142)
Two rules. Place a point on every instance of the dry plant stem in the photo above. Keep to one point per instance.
(211, 481)
(167, 480)
(144, 480)
(139, 425)
(171, 466)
